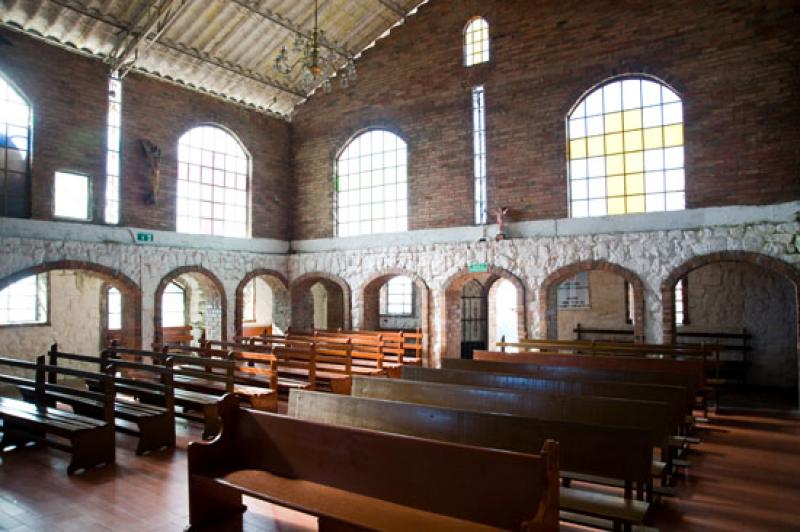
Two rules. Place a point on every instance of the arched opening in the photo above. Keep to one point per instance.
(67, 302)
(262, 300)
(597, 295)
(749, 303)
(397, 300)
(503, 313)
(470, 310)
(188, 302)
(320, 301)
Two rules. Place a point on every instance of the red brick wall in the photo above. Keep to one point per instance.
(734, 64)
(69, 97)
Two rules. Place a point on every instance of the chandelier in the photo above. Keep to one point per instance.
(317, 67)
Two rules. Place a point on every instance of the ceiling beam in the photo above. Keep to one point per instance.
(145, 31)
(394, 6)
(95, 14)
(287, 24)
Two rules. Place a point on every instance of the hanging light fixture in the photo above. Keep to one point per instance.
(317, 67)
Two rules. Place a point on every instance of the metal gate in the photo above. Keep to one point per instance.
(474, 329)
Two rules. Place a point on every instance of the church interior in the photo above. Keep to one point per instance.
(399, 265)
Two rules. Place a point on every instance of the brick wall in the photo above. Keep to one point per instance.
(69, 97)
(733, 63)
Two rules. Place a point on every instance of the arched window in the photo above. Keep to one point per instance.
(213, 193)
(114, 309)
(173, 306)
(476, 42)
(626, 150)
(15, 145)
(371, 185)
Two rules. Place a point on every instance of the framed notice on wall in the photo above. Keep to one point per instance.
(573, 293)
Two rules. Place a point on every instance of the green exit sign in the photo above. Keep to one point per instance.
(478, 267)
(144, 237)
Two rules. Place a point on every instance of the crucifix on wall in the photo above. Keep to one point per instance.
(153, 154)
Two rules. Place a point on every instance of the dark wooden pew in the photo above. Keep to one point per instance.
(360, 479)
(614, 452)
(155, 424)
(675, 396)
(90, 441)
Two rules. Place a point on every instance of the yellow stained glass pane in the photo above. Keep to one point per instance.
(577, 149)
(634, 184)
(616, 205)
(632, 119)
(635, 203)
(653, 138)
(615, 186)
(595, 146)
(634, 162)
(633, 140)
(614, 143)
(613, 122)
(673, 135)
(615, 164)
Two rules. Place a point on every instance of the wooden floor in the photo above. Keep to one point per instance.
(744, 476)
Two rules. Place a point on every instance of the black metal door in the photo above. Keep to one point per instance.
(474, 330)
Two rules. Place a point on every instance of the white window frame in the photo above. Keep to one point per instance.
(41, 300)
(166, 311)
(476, 42)
(397, 292)
(89, 203)
(113, 294)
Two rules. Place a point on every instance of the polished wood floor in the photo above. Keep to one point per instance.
(744, 476)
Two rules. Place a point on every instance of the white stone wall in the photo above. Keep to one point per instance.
(144, 265)
(652, 255)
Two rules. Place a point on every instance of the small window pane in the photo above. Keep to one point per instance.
(72, 193)
(476, 42)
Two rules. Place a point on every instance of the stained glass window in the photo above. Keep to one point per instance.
(626, 150)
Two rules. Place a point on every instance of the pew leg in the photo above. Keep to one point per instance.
(155, 432)
(92, 448)
(211, 421)
(213, 506)
(341, 386)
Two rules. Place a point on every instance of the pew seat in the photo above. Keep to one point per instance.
(355, 479)
(602, 505)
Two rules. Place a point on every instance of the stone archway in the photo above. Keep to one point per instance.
(548, 295)
(369, 303)
(131, 293)
(280, 295)
(338, 301)
(450, 311)
(205, 278)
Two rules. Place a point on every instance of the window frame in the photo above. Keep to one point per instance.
(89, 198)
(107, 294)
(30, 149)
(488, 50)
(252, 302)
(336, 180)
(387, 314)
(568, 167)
(683, 284)
(249, 180)
(47, 322)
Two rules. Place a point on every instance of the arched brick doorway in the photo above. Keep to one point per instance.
(202, 280)
(549, 295)
(131, 293)
(338, 296)
(370, 303)
(451, 311)
(280, 310)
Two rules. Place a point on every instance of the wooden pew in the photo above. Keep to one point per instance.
(623, 453)
(91, 442)
(360, 479)
(599, 348)
(260, 330)
(197, 405)
(674, 396)
(175, 336)
(155, 424)
(692, 369)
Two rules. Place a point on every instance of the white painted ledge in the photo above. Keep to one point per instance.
(84, 232)
(630, 223)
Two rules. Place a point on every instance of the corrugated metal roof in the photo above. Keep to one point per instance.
(223, 47)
